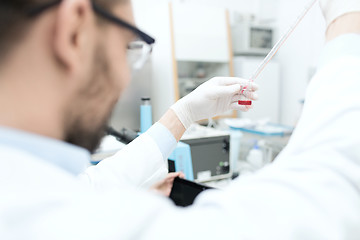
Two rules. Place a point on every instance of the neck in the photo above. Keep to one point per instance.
(28, 104)
(349, 23)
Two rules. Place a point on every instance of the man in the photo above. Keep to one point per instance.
(54, 91)
(63, 66)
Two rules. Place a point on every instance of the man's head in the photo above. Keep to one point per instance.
(62, 69)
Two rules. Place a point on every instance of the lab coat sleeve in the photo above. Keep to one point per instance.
(142, 163)
(327, 134)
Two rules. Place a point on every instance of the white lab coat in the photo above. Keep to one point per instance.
(139, 164)
(38, 200)
(311, 192)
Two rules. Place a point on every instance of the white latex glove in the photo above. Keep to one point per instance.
(332, 9)
(213, 98)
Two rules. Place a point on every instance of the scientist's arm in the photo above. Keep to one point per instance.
(342, 17)
(173, 124)
(312, 191)
(143, 162)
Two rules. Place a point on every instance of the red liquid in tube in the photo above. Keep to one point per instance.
(246, 103)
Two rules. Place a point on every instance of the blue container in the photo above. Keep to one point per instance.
(183, 162)
(145, 114)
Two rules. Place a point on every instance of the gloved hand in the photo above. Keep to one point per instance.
(212, 98)
(332, 9)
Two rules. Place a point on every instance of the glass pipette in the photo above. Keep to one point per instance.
(274, 50)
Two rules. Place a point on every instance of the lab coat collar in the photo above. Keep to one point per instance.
(69, 157)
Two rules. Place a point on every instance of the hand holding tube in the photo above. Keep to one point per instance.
(213, 98)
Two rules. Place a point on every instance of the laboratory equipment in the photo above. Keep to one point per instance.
(210, 157)
(145, 114)
(251, 38)
(125, 136)
(180, 161)
(267, 137)
(210, 153)
(276, 48)
(235, 142)
(255, 157)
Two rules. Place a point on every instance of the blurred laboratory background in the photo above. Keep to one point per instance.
(200, 39)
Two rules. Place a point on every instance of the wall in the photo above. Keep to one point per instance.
(243, 6)
(152, 16)
(299, 56)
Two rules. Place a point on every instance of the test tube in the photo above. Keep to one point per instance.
(243, 99)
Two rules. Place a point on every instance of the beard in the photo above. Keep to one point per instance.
(88, 138)
(88, 116)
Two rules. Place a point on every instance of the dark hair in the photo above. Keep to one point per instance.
(15, 21)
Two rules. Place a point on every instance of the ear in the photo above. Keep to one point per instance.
(73, 32)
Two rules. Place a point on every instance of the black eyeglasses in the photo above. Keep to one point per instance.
(138, 50)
